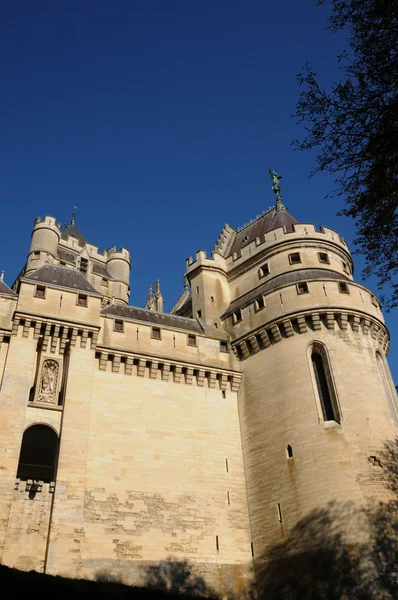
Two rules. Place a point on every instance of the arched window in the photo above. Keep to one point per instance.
(324, 384)
(39, 454)
(392, 403)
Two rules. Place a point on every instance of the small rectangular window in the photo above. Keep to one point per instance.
(259, 303)
(118, 326)
(40, 291)
(199, 314)
(156, 333)
(223, 346)
(374, 300)
(264, 270)
(212, 298)
(294, 258)
(346, 268)
(104, 282)
(81, 300)
(83, 266)
(197, 289)
(62, 263)
(323, 258)
(343, 287)
(302, 288)
(191, 339)
(35, 255)
(237, 316)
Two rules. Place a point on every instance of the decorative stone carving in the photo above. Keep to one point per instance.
(48, 382)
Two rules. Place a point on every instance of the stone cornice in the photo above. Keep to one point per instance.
(146, 365)
(332, 319)
(53, 330)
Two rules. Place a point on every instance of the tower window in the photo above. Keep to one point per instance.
(82, 300)
(289, 451)
(191, 339)
(223, 346)
(259, 303)
(40, 291)
(118, 326)
(343, 287)
(323, 258)
(156, 333)
(302, 287)
(325, 386)
(39, 454)
(197, 289)
(374, 300)
(35, 255)
(199, 314)
(83, 266)
(264, 270)
(104, 282)
(346, 268)
(237, 316)
(294, 258)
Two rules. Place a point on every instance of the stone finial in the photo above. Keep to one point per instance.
(2, 276)
(186, 283)
(150, 304)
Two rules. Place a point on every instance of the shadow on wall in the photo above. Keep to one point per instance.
(167, 576)
(318, 561)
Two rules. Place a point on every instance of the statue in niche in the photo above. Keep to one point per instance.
(48, 382)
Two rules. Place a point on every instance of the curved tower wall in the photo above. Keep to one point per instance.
(45, 238)
(296, 461)
(118, 265)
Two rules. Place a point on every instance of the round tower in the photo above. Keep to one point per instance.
(118, 265)
(317, 402)
(45, 238)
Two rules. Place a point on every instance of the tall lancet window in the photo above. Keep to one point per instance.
(391, 395)
(324, 384)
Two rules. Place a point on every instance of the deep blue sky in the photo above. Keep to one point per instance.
(158, 119)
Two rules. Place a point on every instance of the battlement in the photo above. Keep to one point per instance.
(202, 260)
(122, 253)
(47, 221)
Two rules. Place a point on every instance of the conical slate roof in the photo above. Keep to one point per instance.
(277, 217)
(73, 231)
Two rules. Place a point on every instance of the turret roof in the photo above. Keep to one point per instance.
(5, 290)
(274, 218)
(62, 277)
(73, 231)
(281, 280)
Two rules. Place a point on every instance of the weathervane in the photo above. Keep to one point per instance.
(276, 187)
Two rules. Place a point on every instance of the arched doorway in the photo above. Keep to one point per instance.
(39, 454)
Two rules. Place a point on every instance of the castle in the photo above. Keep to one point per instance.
(130, 437)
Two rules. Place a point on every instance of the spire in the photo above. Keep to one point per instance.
(277, 189)
(158, 298)
(150, 304)
(74, 211)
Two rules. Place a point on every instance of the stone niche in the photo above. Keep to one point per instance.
(49, 380)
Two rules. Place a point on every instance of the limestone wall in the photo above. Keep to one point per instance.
(331, 462)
